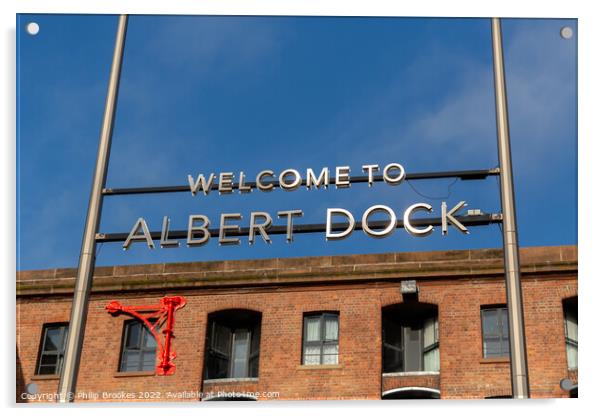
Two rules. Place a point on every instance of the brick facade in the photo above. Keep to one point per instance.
(282, 290)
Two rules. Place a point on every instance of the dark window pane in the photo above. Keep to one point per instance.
(490, 321)
(130, 366)
(49, 359)
(218, 367)
(571, 332)
(410, 339)
(233, 339)
(255, 336)
(52, 349)
(392, 347)
(133, 335)
(392, 333)
(149, 359)
(139, 349)
(392, 360)
(254, 366)
(53, 339)
(47, 369)
(491, 338)
(130, 361)
(149, 340)
(221, 340)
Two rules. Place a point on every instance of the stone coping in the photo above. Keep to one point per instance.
(231, 380)
(411, 374)
(302, 270)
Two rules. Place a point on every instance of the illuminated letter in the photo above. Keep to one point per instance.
(384, 232)
(192, 229)
(225, 182)
(311, 179)
(342, 177)
(416, 232)
(370, 169)
(294, 184)
(261, 186)
(340, 211)
(201, 183)
(241, 184)
(261, 227)
(135, 237)
(447, 216)
(398, 179)
(223, 240)
(289, 222)
(165, 242)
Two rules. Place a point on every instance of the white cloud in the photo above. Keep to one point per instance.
(459, 126)
(201, 43)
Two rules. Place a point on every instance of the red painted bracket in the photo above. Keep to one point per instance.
(164, 313)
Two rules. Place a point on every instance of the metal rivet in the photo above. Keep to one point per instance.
(32, 28)
(566, 32)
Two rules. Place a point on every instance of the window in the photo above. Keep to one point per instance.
(495, 332)
(52, 349)
(233, 344)
(430, 351)
(138, 352)
(570, 331)
(410, 338)
(321, 339)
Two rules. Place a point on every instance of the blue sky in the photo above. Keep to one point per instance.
(211, 94)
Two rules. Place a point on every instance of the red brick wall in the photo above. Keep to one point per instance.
(464, 373)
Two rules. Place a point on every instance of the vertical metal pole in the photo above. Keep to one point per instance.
(518, 350)
(83, 282)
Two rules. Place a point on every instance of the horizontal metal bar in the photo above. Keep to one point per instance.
(467, 220)
(461, 174)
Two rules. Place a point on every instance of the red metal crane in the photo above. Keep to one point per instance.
(164, 313)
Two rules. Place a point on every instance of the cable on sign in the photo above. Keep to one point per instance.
(435, 198)
(99, 249)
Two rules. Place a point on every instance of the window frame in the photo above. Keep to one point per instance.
(399, 350)
(232, 367)
(252, 331)
(60, 352)
(322, 342)
(410, 354)
(568, 341)
(145, 332)
(499, 333)
(431, 347)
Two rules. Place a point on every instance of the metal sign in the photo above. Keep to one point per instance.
(199, 233)
(260, 222)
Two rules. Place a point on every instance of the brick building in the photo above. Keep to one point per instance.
(309, 328)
